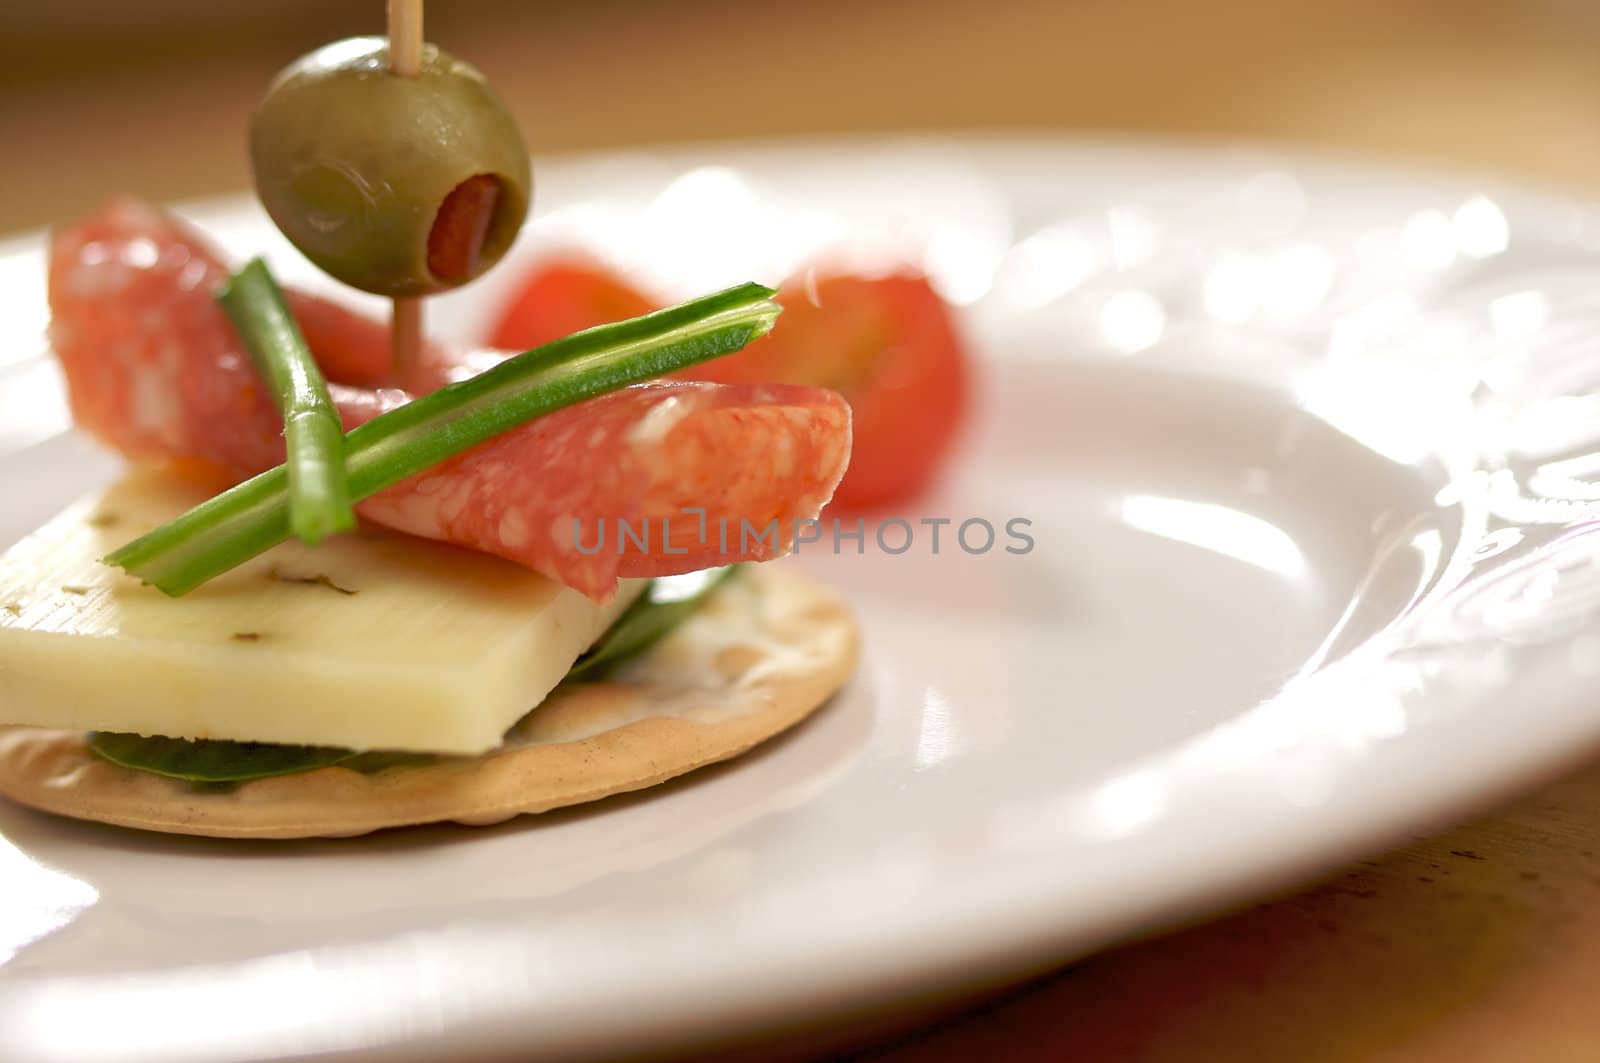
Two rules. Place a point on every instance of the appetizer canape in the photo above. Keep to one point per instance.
(542, 602)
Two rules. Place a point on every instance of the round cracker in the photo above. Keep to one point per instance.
(762, 653)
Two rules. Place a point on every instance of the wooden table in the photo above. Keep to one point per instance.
(1479, 944)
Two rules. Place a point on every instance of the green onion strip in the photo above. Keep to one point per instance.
(245, 521)
(319, 493)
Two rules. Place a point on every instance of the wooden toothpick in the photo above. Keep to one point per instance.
(405, 37)
(405, 60)
(405, 338)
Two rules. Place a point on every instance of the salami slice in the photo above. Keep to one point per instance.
(655, 479)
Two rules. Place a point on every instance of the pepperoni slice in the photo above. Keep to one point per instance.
(654, 479)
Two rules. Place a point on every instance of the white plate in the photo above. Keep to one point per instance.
(1308, 455)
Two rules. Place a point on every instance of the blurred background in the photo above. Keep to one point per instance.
(101, 95)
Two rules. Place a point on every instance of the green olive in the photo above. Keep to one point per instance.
(397, 185)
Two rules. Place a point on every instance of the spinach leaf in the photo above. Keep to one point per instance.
(666, 603)
(211, 760)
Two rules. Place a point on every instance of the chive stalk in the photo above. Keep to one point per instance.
(245, 521)
(319, 492)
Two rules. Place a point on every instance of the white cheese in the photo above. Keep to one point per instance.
(371, 641)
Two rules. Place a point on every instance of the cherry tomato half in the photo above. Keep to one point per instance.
(563, 296)
(887, 344)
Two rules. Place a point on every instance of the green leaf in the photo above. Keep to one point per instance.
(666, 603)
(211, 760)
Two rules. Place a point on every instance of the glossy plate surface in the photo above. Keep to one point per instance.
(1296, 463)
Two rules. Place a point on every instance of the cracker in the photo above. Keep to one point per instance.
(762, 653)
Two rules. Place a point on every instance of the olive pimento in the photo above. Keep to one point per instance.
(402, 186)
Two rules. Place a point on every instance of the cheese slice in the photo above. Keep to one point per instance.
(370, 641)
